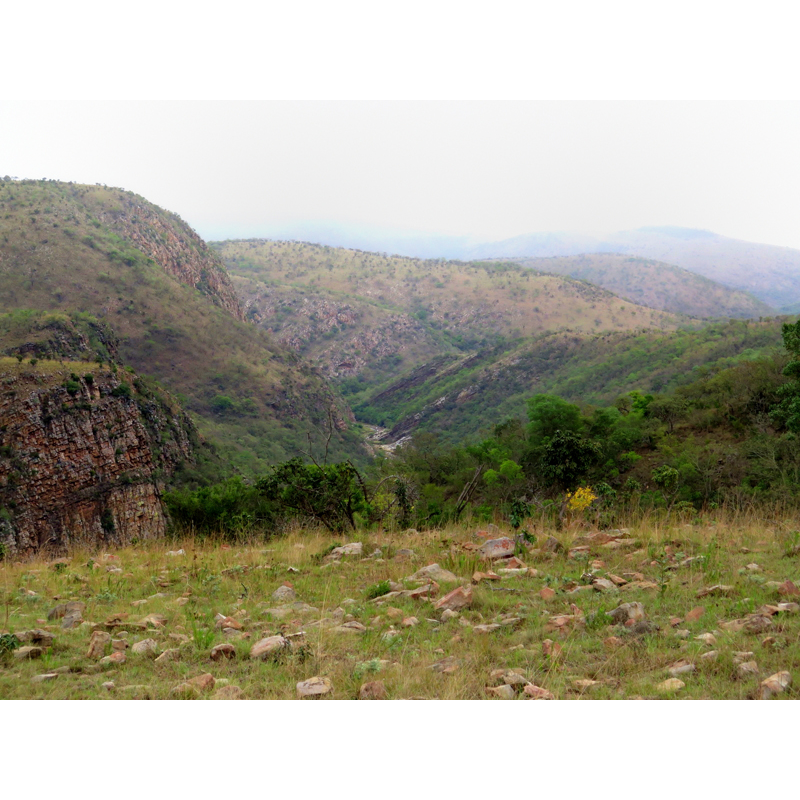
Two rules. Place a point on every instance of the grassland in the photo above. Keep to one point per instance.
(547, 623)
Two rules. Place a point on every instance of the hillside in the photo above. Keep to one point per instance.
(166, 300)
(655, 284)
(363, 318)
(770, 273)
(461, 398)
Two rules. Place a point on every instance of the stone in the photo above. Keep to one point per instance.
(410, 622)
(228, 622)
(626, 611)
(155, 620)
(36, 636)
(446, 666)
(547, 593)
(119, 644)
(447, 615)
(695, 614)
(117, 658)
(204, 682)
(270, 647)
(682, 667)
(350, 627)
(718, 589)
(314, 687)
(146, 647)
(44, 677)
(707, 638)
(425, 592)
(670, 685)
(433, 572)
(230, 692)
(757, 623)
(775, 684)
(223, 651)
(504, 692)
(61, 611)
(285, 593)
(459, 598)
(747, 668)
(174, 553)
(788, 589)
(604, 585)
(711, 655)
(28, 652)
(584, 684)
(491, 628)
(552, 545)
(97, 645)
(537, 692)
(510, 677)
(497, 548)
(172, 654)
(372, 690)
(350, 549)
(185, 691)
(478, 576)
(109, 686)
(405, 555)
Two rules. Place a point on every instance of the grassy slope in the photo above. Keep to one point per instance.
(654, 284)
(189, 590)
(461, 403)
(56, 254)
(431, 307)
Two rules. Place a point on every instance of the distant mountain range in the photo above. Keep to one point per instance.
(768, 272)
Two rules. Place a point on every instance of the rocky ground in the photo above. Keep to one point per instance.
(706, 611)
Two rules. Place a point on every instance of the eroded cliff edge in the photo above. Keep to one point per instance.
(84, 453)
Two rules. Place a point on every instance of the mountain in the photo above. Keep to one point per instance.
(363, 318)
(770, 273)
(165, 298)
(655, 284)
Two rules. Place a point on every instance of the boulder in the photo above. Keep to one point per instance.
(97, 645)
(270, 647)
(433, 572)
(459, 598)
(373, 690)
(314, 687)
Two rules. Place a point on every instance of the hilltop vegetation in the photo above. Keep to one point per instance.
(166, 300)
(770, 273)
(371, 316)
(654, 284)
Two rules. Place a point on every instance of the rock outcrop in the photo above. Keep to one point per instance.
(83, 456)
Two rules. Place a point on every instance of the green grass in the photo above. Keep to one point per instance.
(190, 590)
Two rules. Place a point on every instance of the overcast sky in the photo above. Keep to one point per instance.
(636, 140)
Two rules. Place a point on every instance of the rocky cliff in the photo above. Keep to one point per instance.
(83, 456)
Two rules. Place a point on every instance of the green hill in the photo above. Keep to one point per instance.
(167, 301)
(363, 318)
(654, 284)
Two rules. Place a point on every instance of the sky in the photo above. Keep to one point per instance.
(495, 131)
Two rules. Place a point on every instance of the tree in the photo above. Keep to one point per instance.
(567, 459)
(548, 415)
(787, 412)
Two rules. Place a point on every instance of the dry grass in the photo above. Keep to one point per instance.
(239, 581)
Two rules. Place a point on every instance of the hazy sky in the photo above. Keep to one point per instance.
(637, 140)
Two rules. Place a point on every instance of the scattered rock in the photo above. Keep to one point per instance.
(446, 666)
(97, 645)
(491, 628)
(185, 691)
(695, 614)
(350, 549)
(447, 615)
(431, 573)
(788, 589)
(228, 693)
(173, 553)
(44, 677)
(747, 669)
(670, 685)
(504, 692)
(511, 677)
(682, 667)
(707, 638)
(497, 548)
(405, 555)
(65, 609)
(757, 623)
(270, 647)
(117, 658)
(626, 611)
(373, 690)
(155, 620)
(477, 577)
(223, 651)
(537, 692)
(409, 622)
(604, 585)
(314, 687)
(584, 684)
(711, 655)
(775, 684)
(227, 622)
(173, 654)
(36, 636)
(547, 593)
(146, 647)
(552, 545)
(109, 686)
(28, 652)
(717, 590)
(459, 598)
(285, 593)
(350, 627)
(204, 682)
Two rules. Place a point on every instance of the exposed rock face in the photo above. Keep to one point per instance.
(170, 242)
(82, 458)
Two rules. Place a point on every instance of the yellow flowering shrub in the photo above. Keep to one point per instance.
(580, 499)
